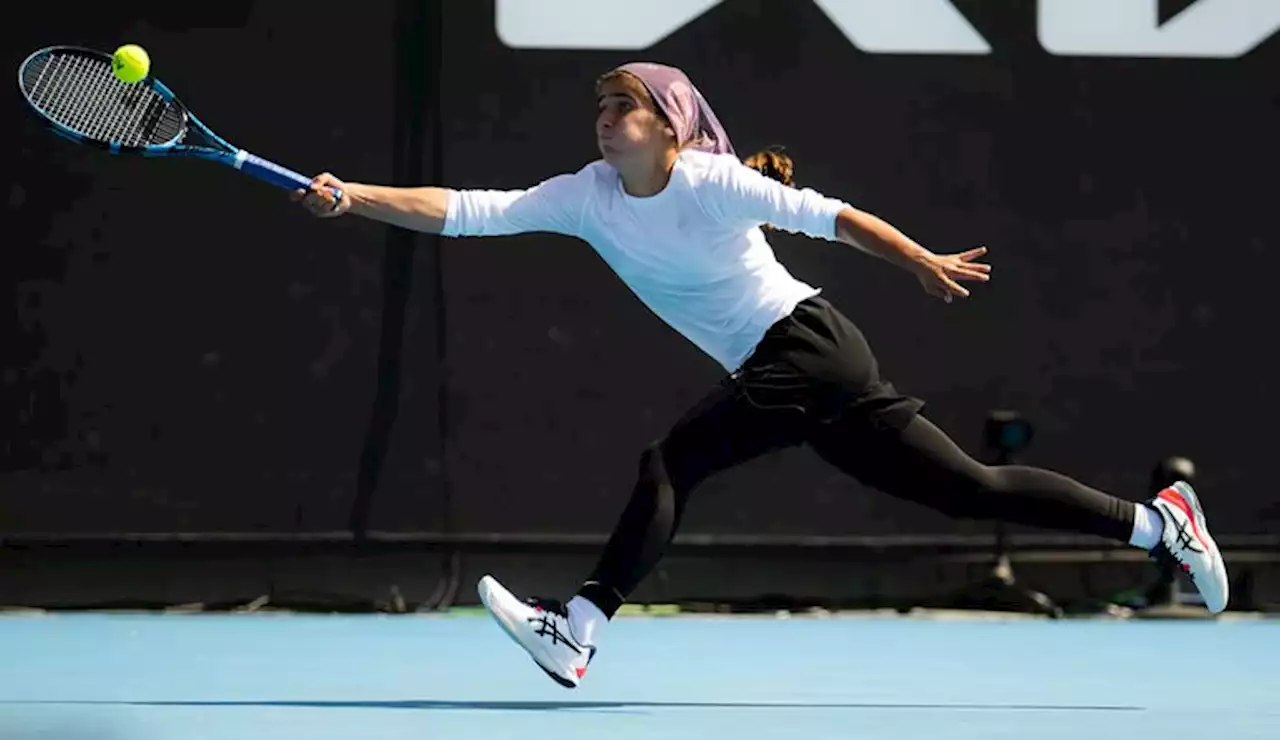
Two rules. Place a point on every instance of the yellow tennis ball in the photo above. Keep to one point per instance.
(131, 63)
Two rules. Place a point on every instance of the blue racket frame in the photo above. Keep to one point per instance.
(229, 154)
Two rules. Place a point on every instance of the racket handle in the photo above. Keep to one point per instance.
(275, 174)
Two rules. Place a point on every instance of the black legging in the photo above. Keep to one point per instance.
(790, 393)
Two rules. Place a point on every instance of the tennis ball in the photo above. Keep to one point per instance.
(131, 63)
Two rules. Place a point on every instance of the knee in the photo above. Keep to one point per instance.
(665, 470)
(651, 463)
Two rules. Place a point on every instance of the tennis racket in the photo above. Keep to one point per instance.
(74, 90)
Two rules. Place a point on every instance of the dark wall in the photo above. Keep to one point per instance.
(189, 352)
(1125, 203)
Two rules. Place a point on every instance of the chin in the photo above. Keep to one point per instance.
(612, 159)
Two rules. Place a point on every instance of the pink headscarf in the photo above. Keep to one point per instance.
(690, 114)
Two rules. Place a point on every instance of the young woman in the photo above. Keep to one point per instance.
(679, 218)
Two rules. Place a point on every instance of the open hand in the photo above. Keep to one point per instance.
(941, 274)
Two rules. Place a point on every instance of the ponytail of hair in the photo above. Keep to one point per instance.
(774, 163)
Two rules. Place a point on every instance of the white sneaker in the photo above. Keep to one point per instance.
(1186, 540)
(541, 627)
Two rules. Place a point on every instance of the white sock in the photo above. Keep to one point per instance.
(1148, 526)
(586, 621)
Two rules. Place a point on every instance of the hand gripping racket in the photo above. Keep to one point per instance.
(74, 90)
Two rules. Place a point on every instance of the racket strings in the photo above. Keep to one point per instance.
(81, 93)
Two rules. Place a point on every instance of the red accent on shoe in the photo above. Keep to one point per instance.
(1175, 498)
(581, 671)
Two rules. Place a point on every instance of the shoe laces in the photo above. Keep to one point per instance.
(551, 606)
(1168, 558)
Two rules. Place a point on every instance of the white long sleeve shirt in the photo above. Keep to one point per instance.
(694, 253)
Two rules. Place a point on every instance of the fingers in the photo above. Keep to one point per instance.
(953, 287)
(942, 281)
(969, 272)
(959, 266)
(319, 198)
(319, 203)
(941, 286)
(963, 265)
(937, 289)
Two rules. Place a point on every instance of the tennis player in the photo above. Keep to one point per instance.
(681, 220)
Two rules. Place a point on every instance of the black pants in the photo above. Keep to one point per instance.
(814, 380)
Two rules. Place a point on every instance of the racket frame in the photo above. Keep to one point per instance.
(223, 152)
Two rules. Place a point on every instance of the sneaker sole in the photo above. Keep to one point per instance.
(487, 588)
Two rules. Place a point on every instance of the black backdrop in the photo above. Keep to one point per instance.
(1125, 203)
(188, 352)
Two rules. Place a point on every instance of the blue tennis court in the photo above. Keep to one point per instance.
(196, 677)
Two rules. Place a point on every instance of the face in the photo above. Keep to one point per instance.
(628, 129)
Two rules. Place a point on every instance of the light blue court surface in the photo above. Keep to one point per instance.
(99, 677)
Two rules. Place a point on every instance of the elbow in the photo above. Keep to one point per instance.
(427, 211)
(846, 227)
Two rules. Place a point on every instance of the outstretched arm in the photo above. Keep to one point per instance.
(417, 209)
(551, 206)
(939, 274)
(878, 238)
(741, 194)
